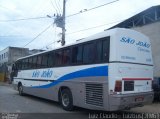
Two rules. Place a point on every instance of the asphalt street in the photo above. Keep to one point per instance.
(29, 107)
(13, 106)
(13, 103)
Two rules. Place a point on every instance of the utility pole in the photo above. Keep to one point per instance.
(63, 23)
(59, 20)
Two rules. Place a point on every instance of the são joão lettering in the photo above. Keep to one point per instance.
(133, 41)
(45, 74)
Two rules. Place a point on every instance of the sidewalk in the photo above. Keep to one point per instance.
(5, 84)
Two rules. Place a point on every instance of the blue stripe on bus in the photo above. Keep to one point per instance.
(90, 72)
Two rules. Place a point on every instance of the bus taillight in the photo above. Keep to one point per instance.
(118, 86)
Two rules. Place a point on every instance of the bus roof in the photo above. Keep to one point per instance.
(105, 33)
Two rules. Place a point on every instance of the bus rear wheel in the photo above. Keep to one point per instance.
(20, 89)
(66, 99)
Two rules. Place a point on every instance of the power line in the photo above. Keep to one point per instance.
(51, 42)
(38, 35)
(86, 10)
(54, 7)
(48, 44)
(22, 19)
(94, 27)
(86, 30)
(57, 6)
(5, 36)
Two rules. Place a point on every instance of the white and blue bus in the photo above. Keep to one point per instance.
(111, 70)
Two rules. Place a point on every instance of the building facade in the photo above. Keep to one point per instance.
(7, 57)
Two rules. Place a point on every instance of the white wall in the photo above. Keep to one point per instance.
(153, 32)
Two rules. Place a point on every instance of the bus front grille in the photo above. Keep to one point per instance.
(94, 94)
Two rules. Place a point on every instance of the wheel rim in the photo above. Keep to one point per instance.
(65, 100)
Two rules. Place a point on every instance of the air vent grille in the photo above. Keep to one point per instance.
(94, 94)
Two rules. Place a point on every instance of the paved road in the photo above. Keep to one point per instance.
(11, 102)
(28, 107)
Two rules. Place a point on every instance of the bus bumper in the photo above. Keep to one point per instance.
(127, 101)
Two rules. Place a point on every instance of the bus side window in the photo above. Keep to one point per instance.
(24, 64)
(51, 59)
(44, 60)
(99, 51)
(39, 60)
(58, 58)
(77, 55)
(19, 65)
(30, 63)
(106, 44)
(88, 53)
(34, 62)
(66, 57)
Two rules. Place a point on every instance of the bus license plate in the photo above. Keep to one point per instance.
(139, 99)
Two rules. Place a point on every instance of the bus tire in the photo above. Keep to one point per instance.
(66, 99)
(20, 90)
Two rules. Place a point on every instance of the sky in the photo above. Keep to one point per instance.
(41, 33)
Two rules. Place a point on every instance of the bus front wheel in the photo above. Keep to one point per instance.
(66, 99)
(20, 89)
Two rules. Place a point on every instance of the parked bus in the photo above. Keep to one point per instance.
(111, 70)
